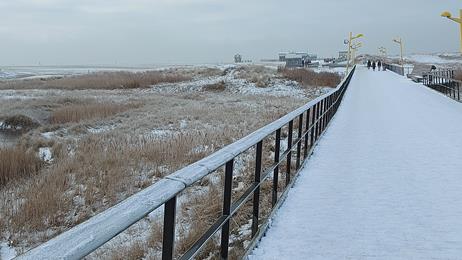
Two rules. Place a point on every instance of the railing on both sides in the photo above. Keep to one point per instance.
(443, 81)
(311, 120)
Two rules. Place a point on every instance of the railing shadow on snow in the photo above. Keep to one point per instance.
(443, 81)
(312, 119)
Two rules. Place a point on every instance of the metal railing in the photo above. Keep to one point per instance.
(443, 81)
(311, 120)
(398, 69)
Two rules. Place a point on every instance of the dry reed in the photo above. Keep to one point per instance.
(17, 163)
(79, 112)
(308, 77)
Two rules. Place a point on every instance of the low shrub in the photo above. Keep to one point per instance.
(18, 122)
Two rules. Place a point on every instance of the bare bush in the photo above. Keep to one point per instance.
(308, 77)
(18, 122)
(17, 163)
(215, 87)
(79, 112)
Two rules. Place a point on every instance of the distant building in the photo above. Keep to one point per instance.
(237, 58)
(294, 61)
(342, 56)
(304, 55)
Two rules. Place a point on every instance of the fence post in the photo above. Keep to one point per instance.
(277, 147)
(307, 126)
(299, 144)
(289, 154)
(168, 241)
(226, 208)
(256, 194)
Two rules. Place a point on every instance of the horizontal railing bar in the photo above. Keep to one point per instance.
(443, 77)
(199, 244)
(441, 85)
(241, 201)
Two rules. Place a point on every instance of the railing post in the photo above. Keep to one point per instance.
(226, 208)
(318, 124)
(313, 125)
(299, 144)
(289, 154)
(256, 194)
(307, 126)
(168, 242)
(277, 147)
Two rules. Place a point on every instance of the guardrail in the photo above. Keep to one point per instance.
(398, 69)
(311, 121)
(443, 81)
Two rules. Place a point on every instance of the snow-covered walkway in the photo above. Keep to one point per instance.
(385, 181)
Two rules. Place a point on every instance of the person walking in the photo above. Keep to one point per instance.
(368, 64)
(373, 65)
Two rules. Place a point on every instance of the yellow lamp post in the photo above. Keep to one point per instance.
(457, 20)
(350, 39)
(400, 42)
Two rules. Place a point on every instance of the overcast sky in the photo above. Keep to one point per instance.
(136, 32)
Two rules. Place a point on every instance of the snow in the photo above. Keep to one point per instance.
(384, 182)
(6, 252)
(100, 129)
(45, 154)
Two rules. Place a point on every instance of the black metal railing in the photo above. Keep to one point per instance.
(398, 69)
(309, 122)
(443, 81)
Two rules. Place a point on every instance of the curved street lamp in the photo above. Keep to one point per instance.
(457, 20)
(400, 42)
(350, 39)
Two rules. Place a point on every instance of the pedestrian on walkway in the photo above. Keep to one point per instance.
(373, 65)
(368, 64)
(379, 65)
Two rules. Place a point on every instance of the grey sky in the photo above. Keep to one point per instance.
(134, 32)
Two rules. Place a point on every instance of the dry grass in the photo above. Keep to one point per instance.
(17, 163)
(104, 170)
(308, 77)
(78, 112)
(102, 80)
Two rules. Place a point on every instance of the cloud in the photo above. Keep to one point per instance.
(183, 31)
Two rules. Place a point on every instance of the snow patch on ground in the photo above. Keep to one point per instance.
(100, 129)
(45, 154)
(161, 133)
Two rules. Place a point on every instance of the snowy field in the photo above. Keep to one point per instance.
(437, 59)
(383, 183)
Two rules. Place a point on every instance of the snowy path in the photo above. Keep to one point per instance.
(385, 181)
